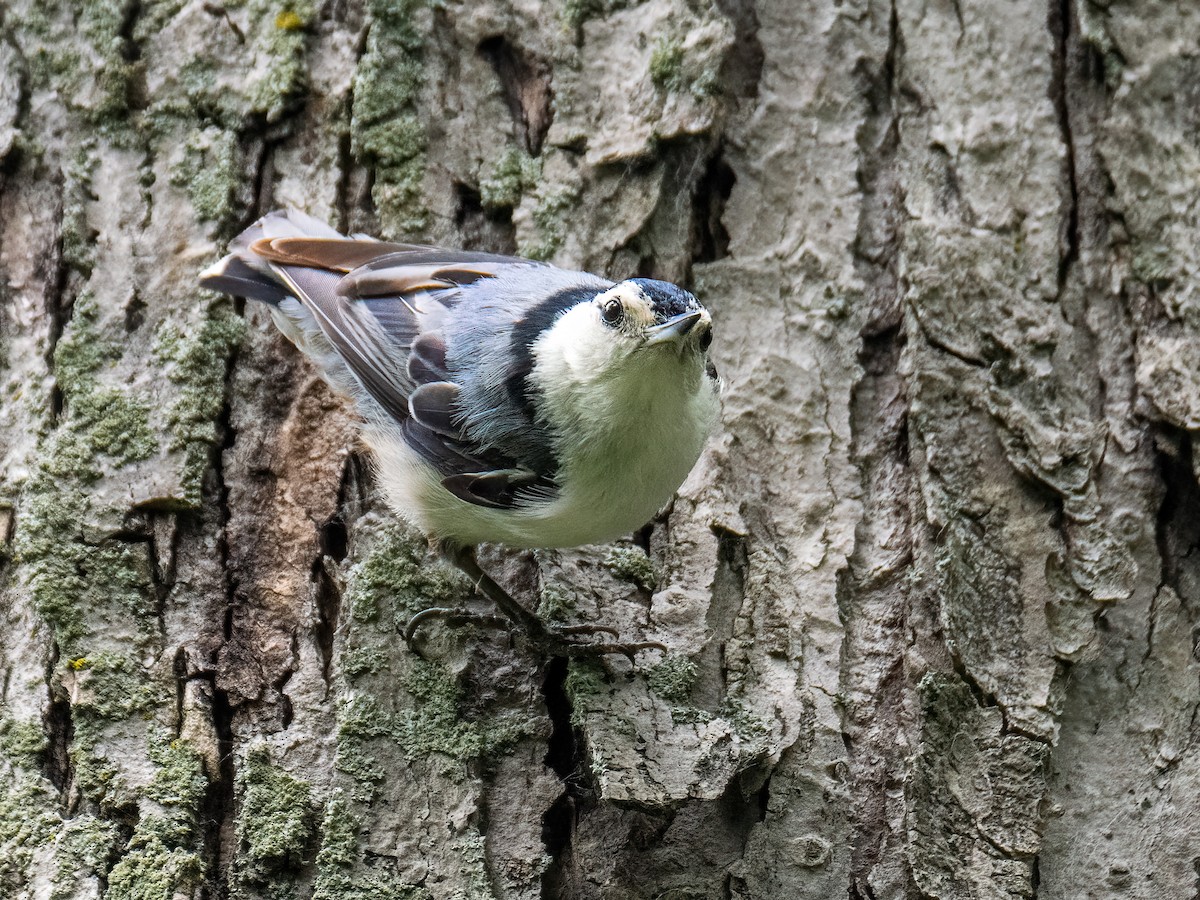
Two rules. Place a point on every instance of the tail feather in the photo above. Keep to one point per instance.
(233, 276)
(244, 273)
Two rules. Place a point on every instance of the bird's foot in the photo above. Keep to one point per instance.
(551, 640)
(561, 644)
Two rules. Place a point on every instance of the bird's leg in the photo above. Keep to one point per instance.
(555, 641)
(464, 559)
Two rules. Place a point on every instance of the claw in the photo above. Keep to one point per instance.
(572, 649)
(452, 617)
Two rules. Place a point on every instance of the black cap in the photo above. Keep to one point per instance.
(668, 300)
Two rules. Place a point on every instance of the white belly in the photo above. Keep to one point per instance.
(624, 466)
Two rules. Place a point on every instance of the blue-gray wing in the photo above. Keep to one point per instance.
(437, 340)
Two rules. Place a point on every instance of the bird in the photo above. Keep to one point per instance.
(504, 400)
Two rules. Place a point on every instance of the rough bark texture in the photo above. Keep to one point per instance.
(932, 594)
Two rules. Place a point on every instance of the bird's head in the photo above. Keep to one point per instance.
(638, 325)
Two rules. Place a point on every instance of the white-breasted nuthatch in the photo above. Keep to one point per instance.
(505, 400)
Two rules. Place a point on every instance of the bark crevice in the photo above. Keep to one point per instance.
(1060, 19)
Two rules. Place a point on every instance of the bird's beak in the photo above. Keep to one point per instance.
(674, 329)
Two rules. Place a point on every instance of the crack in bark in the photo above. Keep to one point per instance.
(59, 307)
(958, 14)
(10, 160)
(1177, 529)
(742, 68)
(564, 757)
(710, 239)
(938, 344)
(345, 154)
(491, 230)
(874, 710)
(334, 546)
(59, 727)
(720, 620)
(1059, 24)
(983, 699)
(1180, 491)
(130, 49)
(219, 801)
(526, 80)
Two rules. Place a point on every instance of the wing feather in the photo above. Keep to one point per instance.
(497, 489)
(336, 254)
(427, 359)
(435, 406)
(409, 272)
(365, 349)
(383, 308)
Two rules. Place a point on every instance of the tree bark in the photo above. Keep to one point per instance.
(931, 596)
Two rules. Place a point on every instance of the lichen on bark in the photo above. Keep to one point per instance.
(929, 596)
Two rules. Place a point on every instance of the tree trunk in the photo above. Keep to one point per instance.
(931, 595)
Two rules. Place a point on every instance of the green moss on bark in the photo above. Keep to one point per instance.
(341, 870)
(109, 689)
(21, 742)
(671, 69)
(434, 723)
(152, 869)
(28, 808)
(163, 856)
(98, 419)
(553, 204)
(78, 245)
(86, 848)
(386, 128)
(102, 428)
(359, 661)
(102, 23)
(179, 779)
(210, 172)
(27, 822)
(672, 679)
(633, 565)
(113, 687)
(575, 12)
(555, 603)
(275, 822)
(196, 362)
(666, 64)
(67, 574)
(282, 39)
(397, 579)
(515, 173)
(78, 49)
(585, 680)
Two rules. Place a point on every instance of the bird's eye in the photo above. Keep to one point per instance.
(706, 340)
(612, 312)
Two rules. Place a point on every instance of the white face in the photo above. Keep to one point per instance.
(627, 317)
(619, 335)
(625, 307)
